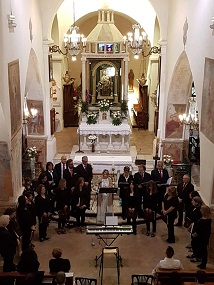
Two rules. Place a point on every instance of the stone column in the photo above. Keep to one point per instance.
(83, 77)
(162, 94)
(125, 91)
(94, 89)
(51, 140)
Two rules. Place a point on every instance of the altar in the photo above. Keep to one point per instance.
(109, 138)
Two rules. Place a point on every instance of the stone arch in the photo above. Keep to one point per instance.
(104, 62)
(179, 93)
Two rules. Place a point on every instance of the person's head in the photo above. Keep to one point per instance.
(205, 212)
(197, 202)
(10, 212)
(22, 201)
(186, 178)
(28, 255)
(63, 159)
(201, 276)
(57, 252)
(84, 160)
(4, 221)
(43, 177)
(105, 173)
(141, 168)
(169, 252)
(172, 191)
(41, 189)
(194, 194)
(27, 181)
(60, 278)
(160, 165)
(62, 184)
(70, 163)
(49, 166)
(80, 182)
(29, 196)
(126, 170)
(151, 187)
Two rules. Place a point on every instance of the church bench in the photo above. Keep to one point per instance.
(163, 275)
(11, 277)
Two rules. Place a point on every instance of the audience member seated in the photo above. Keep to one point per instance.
(168, 262)
(60, 278)
(7, 245)
(59, 264)
(175, 279)
(201, 277)
(28, 264)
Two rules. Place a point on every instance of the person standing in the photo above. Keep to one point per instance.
(70, 175)
(42, 204)
(123, 183)
(184, 189)
(150, 207)
(60, 167)
(131, 206)
(140, 180)
(85, 170)
(160, 176)
(169, 210)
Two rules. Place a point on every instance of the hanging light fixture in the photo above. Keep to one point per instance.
(191, 118)
(136, 40)
(73, 41)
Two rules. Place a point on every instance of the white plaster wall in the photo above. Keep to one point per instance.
(200, 44)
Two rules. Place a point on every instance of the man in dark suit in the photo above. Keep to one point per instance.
(140, 178)
(60, 167)
(160, 176)
(126, 177)
(184, 189)
(85, 170)
(70, 175)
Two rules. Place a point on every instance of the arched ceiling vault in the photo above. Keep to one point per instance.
(143, 12)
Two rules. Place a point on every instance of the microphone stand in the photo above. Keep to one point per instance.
(79, 151)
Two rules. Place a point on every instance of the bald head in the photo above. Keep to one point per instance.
(186, 178)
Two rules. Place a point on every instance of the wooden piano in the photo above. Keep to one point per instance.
(140, 110)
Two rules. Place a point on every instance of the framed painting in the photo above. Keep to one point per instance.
(15, 96)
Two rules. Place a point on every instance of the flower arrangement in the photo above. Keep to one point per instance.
(116, 118)
(91, 118)
(31, 152)
(167, 159)
(104, 105)
(92, 138)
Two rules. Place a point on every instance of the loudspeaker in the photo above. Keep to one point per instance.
(140, 161)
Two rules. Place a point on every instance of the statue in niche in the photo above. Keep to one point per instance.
(105, 84)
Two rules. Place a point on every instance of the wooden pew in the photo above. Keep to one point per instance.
(163, 275)
(47, 279)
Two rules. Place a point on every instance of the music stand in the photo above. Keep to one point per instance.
(110, 190)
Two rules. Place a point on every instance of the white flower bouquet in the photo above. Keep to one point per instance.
(92, 138)
(31, 152)
(104, 105)
(167, 159)
(116, 118)
(91, 118)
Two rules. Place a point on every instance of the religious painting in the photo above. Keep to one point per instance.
(207, 115)
(15, 96)
(36, 118)
(173, 127)
(174, 149)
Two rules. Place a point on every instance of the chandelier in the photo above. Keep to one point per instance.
(73, 41)
(136, 40)
(191, 119)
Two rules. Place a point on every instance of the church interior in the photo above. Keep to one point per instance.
(124, 84)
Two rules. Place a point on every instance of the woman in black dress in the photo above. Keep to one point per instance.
(25, 220)
(42, 204)
(131, 206)
(63, 197)
(80, 202)
(150, 202)
(203, 232)
(169, 210)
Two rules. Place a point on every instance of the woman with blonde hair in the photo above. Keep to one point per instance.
(169, 210)
(57, 263)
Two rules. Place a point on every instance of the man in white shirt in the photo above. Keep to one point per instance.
(168, 262)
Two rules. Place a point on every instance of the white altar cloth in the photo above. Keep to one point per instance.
(101, 162)
(110, 138)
